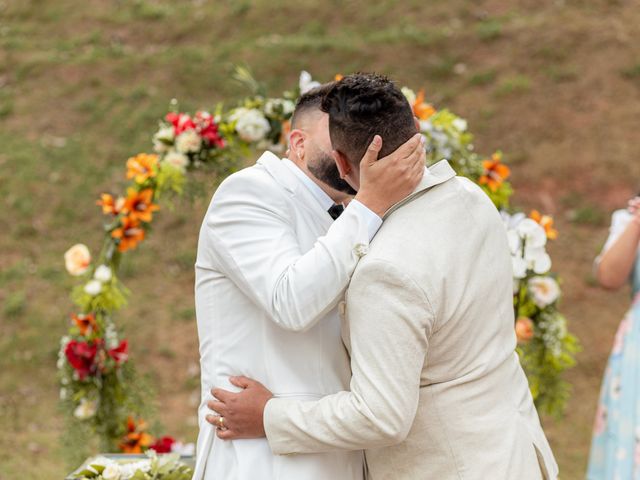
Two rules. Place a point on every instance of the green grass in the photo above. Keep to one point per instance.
(83, 84)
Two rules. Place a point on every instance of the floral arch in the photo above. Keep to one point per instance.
(99, 389)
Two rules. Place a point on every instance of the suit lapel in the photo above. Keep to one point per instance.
(284, 177)
(437, 174)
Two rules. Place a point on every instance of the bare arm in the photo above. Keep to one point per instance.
(617, 262)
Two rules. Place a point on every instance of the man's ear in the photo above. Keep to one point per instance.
(296, 142)
(416, 122)
(344, 166)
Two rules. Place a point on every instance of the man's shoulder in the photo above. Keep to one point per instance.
(254, 181)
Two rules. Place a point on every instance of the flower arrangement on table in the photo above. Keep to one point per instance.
(154, 467)
(99, 387)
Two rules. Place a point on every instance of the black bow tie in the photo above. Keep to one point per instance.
(335, 211)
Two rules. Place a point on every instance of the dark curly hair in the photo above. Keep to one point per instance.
(362, 105)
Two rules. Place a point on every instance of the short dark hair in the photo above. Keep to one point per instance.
(362, 105)
(311, 100)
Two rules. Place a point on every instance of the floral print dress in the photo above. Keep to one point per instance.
(615, 447)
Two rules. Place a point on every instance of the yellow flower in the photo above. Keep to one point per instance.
(85, 323)
(109, 204)
(129, 234)
(136, 439)
(495, 172)
(141, 167)
(421, 109)
(139, 205)
(546, 221)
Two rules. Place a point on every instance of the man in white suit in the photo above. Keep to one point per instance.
(437, 390)
(271, 267)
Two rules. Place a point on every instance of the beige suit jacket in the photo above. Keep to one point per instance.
(437, 390)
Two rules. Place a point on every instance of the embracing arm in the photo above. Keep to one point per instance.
(257, 247)
(390, 320)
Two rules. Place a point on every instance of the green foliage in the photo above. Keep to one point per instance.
(501, 196)
(170, 179)
(544, 358)
(113, 296)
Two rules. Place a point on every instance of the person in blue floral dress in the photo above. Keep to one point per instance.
(615, 447)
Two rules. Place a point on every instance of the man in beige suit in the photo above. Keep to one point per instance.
(437, 391)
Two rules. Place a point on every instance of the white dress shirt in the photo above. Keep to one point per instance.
(373, 221)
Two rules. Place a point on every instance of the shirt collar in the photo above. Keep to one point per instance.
(318, 193)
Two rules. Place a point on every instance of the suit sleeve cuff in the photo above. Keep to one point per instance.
(273, 418)
(372, 220)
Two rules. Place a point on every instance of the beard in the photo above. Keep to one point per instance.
(324, 168)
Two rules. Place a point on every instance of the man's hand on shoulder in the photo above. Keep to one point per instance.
(387, 181)
(239, 415)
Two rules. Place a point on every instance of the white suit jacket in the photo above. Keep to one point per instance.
(437, 392)
(272, 266)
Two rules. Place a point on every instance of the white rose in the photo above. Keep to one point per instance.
(409, 94)
(186, 449)
(306, 83)
(102, 274)
(77, 259)
(93, 287)
(177, 160)
(64, 394)
(519, 267)
(252, 126)
(544, 290)
(532, 232)
(460, 124)
(188, 141)
(163, 139)
(111, 472)
(86, 409)
(275, 106)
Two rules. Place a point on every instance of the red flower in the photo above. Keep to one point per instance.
(82, 355)
(180, 122)
(163, 445)
(120, 353)
(208, 129)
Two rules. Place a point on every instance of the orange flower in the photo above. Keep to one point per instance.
(139, 205)
(421, 109)
(495, 172)
(524, 329)
(110, 205)
(141, 167)
(85, 323)
(136, 439)
(286, 128)
(546, 221)
(338, 77)
(130, 233)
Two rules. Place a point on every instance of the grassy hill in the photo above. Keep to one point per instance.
(554, 84)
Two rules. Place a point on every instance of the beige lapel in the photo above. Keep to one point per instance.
(437, 174)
